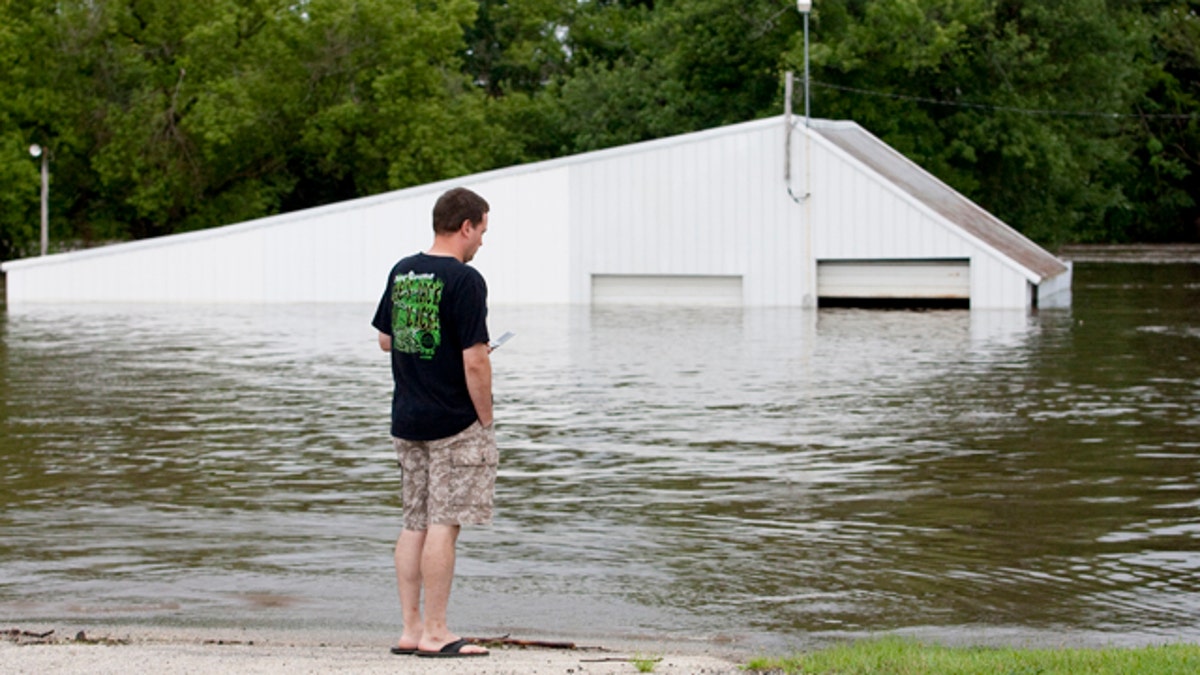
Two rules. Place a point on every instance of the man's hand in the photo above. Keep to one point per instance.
(478, 368)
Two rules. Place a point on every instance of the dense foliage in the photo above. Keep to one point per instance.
(1073, 120)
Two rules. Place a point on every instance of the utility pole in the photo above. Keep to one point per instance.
(37, 151)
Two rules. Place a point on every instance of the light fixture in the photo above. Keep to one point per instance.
(37, 151)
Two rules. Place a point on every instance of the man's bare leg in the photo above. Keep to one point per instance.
(437, 572)
(409, 547)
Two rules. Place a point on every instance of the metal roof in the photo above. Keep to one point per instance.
(943, 199)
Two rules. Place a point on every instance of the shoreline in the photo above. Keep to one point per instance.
(121, 649)
(1131, 253)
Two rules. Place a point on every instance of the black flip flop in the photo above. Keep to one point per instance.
(452, 650)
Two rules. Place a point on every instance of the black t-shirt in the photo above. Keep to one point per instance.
(433, 307)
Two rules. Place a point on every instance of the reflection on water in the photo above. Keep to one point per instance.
(766, 476)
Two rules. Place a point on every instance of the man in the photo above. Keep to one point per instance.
(433, 321)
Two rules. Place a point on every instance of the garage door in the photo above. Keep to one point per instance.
(666, 289)
(894, 279)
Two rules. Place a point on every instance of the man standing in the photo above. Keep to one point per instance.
(432, 319)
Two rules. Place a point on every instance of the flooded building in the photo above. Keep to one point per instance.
(766, 213)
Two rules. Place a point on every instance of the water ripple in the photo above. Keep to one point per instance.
(764, 473)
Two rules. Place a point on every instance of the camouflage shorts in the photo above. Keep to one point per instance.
(450, 481)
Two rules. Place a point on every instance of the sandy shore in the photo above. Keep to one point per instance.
(145, 651)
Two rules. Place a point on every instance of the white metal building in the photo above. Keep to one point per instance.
(705, 218)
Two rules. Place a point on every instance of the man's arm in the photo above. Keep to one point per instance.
(385, 341)
(478, 367)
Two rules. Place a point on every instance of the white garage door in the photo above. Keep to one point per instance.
(666, 289)
(894, 279)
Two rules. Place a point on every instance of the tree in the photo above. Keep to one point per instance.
(18, 177)
(999, 99)
(40, 104)
(383, 101)
(1164, 180)
(518, 46)
(167, 116)
(1073, 120)
(642, 70)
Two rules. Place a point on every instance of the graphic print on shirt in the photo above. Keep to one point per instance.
(416, 328)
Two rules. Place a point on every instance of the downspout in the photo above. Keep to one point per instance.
(810, 263)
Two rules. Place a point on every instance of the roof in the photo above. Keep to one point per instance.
(943, 199)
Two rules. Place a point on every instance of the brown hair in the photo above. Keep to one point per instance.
(455, 206)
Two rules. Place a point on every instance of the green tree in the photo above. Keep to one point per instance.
(19, 182)
(1073, 120)
(40, 104)
(1000, 99)
(518, 46)
(385, 102)
(187, 133)
(166, 115)
(1164, 179)
(588, 96)
(725, 55)
(643, 70)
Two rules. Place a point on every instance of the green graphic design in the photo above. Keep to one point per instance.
(416, 328)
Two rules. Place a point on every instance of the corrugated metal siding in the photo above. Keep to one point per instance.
(708, 203)
(524, 257)
(860, 215)
(334, 254)
(857, 217)
(957, 209)
(995, 285)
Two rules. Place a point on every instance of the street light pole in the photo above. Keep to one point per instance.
(810, 267)
(805, 6)
(36, 151)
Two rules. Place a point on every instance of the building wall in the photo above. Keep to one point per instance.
(340, 253)
(858, 216)
(712, 203)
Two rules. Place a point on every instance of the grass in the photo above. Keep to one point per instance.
(645, 664)
(905, 657)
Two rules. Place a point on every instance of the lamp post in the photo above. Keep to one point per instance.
(805, 6)
(810, 281)
(37, 151)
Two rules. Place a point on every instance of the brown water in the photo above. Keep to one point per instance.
(771, 477)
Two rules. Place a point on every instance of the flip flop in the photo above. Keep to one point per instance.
(452, 650)
(404, 651)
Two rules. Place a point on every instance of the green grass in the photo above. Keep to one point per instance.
(645, 664)
(904, 657)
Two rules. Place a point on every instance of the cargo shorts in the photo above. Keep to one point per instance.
(449, 481)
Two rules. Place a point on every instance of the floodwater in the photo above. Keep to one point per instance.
(766, 478)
